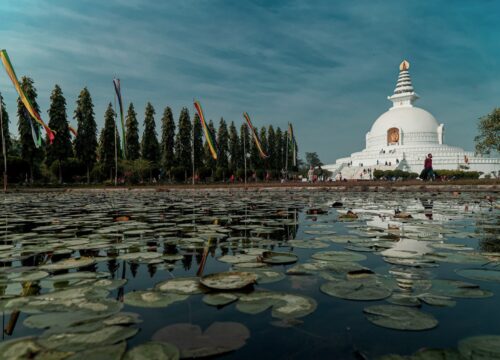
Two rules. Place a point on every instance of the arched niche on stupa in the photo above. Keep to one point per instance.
(393, 136)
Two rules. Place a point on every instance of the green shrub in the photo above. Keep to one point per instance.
(457, 174)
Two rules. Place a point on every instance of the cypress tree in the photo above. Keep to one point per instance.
(107, 142)
(245, 145)
(223, 148)
(209, 161)
(86, 136)
(197, 142)
(29, 152)
(60, 150)
(133, 149)
(183, 142)
(279, 149)
(6, 133)
(167, 140)
(150, 148)
(271, 148)
(234, 149)
(265, 147)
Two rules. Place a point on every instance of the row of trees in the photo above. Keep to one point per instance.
(168, 157)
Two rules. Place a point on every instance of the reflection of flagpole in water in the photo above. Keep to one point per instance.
(116, 147)
(3, 148)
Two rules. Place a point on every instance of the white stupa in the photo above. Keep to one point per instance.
(402, 137)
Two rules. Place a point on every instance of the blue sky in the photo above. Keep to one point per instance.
(326, 66)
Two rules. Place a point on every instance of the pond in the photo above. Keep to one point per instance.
(282, 274)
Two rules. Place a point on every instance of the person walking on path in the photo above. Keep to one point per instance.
(428, 172)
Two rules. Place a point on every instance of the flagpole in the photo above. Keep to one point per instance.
(3, 149)
(286, 154)
(192, 151)
(116, 149)
(245, 155)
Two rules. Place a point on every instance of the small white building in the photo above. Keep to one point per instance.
(402, 137)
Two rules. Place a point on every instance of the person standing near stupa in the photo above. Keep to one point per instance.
(428, 172)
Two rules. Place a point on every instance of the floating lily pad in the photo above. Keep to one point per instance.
(480, 274)
(235, 259)
(400, 317)
(307, 244)
(338, 256)
(404, 300)
(219, 299)
(70, 263)
(218, 338)
(268, 276)
(152, 298)
(284, 305)
(458, 289)
(188, 286)
(356, 290)
(29, 348)
(81, 341)
(153, 350)
(436, 300)
(228, 280)
(110, 352)
(480, 347)
(279, 258)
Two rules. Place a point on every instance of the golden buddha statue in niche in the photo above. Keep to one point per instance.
(392, 136)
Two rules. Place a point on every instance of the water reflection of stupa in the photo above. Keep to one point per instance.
(402, 136)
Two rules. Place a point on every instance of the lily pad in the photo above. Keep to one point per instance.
(458, 289)
(152, 299)
(67, 264)
(186, 286)
(278, 258)
(338, 256)
(153, 350)
(230, 280)
(218, 338)
(356, 290)
(480, 274)
(284, 305)
(219, 299)
(400, 317)
(480, 347)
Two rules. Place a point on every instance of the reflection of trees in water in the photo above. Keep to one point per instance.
(187, 260)
(488, 235)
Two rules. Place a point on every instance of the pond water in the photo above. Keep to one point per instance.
(312, 274)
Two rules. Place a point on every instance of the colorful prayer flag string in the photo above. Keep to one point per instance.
(116, 83)
(27, 104)
(212, 144)
(262, 154)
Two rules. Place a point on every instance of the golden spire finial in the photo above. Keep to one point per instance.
(405, 65)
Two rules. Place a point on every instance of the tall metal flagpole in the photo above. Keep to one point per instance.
(3, 149)
(116, 149)
(192, 150)
(286, 153)
(245, 154)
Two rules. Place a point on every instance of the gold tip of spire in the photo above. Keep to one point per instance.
(405, 65)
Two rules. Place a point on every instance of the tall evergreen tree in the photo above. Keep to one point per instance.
(278, 146)
(133, 149)
(209, 161)
(265, 146)
(234, 149)
(271, 148)
(107, 142)
(29, 152)
(6, 133)
(245, 146)
(150, 148)
(223, 148)
(167, 141)
(60, 150)
(183, 142)
(86, 136)
(197, 142)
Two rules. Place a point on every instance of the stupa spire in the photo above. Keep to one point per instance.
(404, 94)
